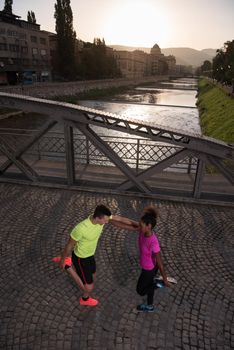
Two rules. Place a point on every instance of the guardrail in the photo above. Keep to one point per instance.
(148, 149)
(138, 153)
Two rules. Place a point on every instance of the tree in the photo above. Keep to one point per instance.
(8, 6)
(206, 68)
(223, 63)
(218, 66)
(66, 36)
(31, 17)
(96, 62)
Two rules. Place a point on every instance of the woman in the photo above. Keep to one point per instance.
(150, 257)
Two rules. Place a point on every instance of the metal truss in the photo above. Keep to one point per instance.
(203, 148)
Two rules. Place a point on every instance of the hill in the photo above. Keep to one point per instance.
(183, 55)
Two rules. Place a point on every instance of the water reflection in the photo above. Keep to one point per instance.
(179, 92)
(183, 119)
(174, 108)
(169, 97)
(186, 83)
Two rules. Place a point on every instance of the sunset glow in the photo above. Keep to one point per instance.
(142, 23)
(134, 24)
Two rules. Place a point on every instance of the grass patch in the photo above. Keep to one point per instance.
(216, 110)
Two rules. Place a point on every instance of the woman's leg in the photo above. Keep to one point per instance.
(145, 285)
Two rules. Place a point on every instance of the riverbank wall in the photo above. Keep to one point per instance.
(55, 89)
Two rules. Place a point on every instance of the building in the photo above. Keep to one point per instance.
(171, 62)
(131, 64)
(156, 59)
(135, 64)
(24, 51)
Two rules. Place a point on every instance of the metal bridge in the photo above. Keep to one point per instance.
(205, 150)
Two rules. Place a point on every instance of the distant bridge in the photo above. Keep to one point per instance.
(205, 150)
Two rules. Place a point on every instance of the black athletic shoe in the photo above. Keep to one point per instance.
(145, 308)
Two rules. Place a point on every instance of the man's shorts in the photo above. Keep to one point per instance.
(85, 268)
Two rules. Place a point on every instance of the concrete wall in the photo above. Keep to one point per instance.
(49, 90)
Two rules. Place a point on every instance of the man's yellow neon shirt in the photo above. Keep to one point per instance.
(86, 234)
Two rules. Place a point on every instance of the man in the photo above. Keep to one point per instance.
(82, 243)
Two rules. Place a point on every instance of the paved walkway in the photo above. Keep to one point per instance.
(39, 305)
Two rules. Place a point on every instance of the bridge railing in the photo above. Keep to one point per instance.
(138, 153)
(148, 150)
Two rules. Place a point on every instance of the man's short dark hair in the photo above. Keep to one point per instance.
(100, 211)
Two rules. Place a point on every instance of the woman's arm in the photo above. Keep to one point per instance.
(161, 269)
(117, 220)
(124, 225)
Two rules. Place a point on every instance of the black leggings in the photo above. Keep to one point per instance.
(145, 284)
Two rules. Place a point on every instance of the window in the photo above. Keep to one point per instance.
(24, 49)
(34, 51)
(22, 36)
(25, 61)
(43, 41)
(43, 52)
(3, 47)
(12, 33)
(14, 48)
(33, 39)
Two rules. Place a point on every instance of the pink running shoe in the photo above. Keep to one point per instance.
(67, 260)
(89, 302)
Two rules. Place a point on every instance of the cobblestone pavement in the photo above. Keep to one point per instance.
(39, 303)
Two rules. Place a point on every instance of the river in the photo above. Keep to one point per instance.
(169, 104)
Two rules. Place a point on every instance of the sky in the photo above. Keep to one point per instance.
(197, 24)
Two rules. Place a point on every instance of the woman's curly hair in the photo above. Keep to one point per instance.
(150, 215)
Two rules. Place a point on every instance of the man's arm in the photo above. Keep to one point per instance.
(161, 269)
(67, 251)
(123, 222)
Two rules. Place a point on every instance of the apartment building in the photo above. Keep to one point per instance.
(131, 64)
(171, 62)
(24, 51)
(135, 64)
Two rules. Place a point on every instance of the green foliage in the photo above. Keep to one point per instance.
(216, 111)
(8, 6)
(96, 63)
(205, 69)
(223, 64)
(65, 60)
(206, 66)
(31, 18)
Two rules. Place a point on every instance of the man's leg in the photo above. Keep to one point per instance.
(84, 275)
(76, 278)
(94, 277)
(85, 288)
(87, 291)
